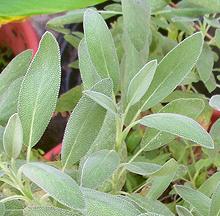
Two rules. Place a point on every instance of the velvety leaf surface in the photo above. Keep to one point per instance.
(182, 211)
(190, 107)
(215, 207)
(179, 125)
(101, 46)
(215, 102)
(39, 90)
(57, 184)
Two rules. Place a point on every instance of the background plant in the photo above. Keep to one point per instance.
(110, 164)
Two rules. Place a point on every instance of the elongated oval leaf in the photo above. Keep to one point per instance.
(102, 100)
(39, 90)
(15, 69)
(83, 126)
(101, 46)
(99, 203)
(13, 137)
(48, 211)
(142, 168)
(182, 211)
(173, 68)
(87, 70)
(197, 199)
(57, 184)
(215, 207)
(179, 125)
(98, 167)
(215, 102)
(190, 107)
(141, 82)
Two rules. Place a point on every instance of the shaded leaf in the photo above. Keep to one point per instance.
(13, 137)
(182, 211)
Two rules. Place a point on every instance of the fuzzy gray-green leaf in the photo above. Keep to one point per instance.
(215, 102)
(190, 107)
(173, 68)
(39, 90)
(57, 184)
(179, 125)
(141, 82)
(101, 46)
(182, 211)
(102, 100)
(15, 69)
(13, 137)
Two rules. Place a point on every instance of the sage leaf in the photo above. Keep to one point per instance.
(83, 126)
(39, 90)
(102, 100)
(88, 71)
(15, 69)
(179, 125)
(13, 137)
(136, 18)
(57, 184)
(197, 199)
(101, 46)
(141, 82)
(99, 203)
(182, 211)
(48, 211)
(173, 68)
(215, 102)
(212, 5)
(142, 168)
(98, 167)
(215, 208)
(205, 63)
(190, 107)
